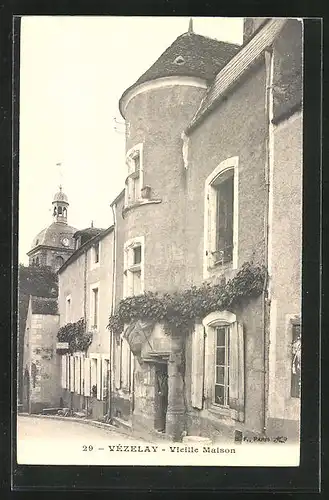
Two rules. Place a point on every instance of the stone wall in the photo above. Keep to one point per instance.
(42, 362)
(286, 253)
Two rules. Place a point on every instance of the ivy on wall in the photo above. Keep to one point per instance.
(76, 336)
(179, 310)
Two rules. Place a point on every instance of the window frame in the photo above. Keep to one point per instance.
(223, 170)
(130, 268)
(131, 177)
(226, 366)
(211, 323)
(93, 263)
(93, 327)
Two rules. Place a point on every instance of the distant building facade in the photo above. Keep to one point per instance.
(85, 293)
(41, 365)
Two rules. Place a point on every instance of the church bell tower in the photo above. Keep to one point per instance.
(60, 206)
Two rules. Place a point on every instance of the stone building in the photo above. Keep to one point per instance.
(213, 192)
(54, 244)
(214, 140)
(85, 293)
(41, 363)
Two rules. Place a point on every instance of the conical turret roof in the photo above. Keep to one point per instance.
(190, 55)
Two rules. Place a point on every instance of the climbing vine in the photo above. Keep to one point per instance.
(76, 336)
(180, 309)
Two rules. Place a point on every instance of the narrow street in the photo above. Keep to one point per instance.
(52, 441)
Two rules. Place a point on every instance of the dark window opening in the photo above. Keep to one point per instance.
(96, 253)
(137, 254)
(59, 210)
(222, 367)
(137, 162)
(95, 312)
(37, 261)
(224, 221)
(296, 361)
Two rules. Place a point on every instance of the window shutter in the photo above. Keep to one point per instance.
(87, 377)
(63, 371)
(76, 374)
(105, 369)
(72, 374)
(117, 365)
(99, 377)
(197, 366)
(237, 371)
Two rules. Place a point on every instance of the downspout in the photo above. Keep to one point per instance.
(268, 222)
(85, 314)
(110, 412)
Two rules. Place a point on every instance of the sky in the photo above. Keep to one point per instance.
(73, 72)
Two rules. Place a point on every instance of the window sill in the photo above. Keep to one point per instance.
(220, 411)
(138, 203)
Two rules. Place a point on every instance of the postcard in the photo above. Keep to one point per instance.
(160, 241)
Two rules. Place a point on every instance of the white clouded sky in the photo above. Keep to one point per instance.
(73, 72)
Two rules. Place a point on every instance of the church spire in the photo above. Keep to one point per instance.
(190, 26)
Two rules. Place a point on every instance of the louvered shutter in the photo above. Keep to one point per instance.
(76, 374)
(197, 367)
(99, 377)
(105, 374)
(87, 377)
(63, 359)
(117, 365)
(72, 374)
(236, 399)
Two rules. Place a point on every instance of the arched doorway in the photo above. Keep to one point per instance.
(26, 391)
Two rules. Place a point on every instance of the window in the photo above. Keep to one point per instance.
(95, 307)
(96, 253)
(134, 181)
(221, 217)
(59, 210)
(217, 372)
(68, 318)
(224, 219)
(222, 366)
(133, 267)
(37, 262)
(296, 360)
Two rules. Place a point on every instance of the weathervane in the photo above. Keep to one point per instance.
(60, 170)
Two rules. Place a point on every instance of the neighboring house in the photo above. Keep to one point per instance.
(41, 363)
(85, 293)
(214, 177)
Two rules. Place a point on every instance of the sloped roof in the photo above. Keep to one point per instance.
(230, 74)
(88, 232)
(190, 55)
(51, 236)
(44, 305)
(85, 246)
